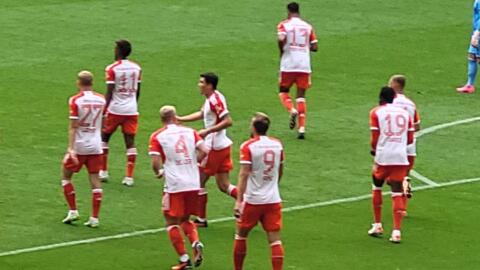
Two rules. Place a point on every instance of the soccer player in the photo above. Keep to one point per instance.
(84, 146)
(397, 83)
(175, 147)
(261, 160)
(473, 52)
(391, 131)
(218, 163)
(296, 39)
(123, 90)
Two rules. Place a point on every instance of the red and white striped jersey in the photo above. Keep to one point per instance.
(125, 75)
(214, 108)
(177, 147)
(87, 107)
(394, 125)
(296, 51)
(265, 155)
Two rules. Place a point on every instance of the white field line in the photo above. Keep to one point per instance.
(432, 129)
(224, 219)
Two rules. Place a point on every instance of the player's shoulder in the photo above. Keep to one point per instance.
(283, 22)
(158, 132)
(249, 142)
(375, 109)
(75, 97)
(275, 139)
(113, 65)
(216, 97)
(135, 64)
(98, 95)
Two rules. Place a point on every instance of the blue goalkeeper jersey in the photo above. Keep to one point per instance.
(476, 15)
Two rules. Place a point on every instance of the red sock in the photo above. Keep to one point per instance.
(69, 192)
(131, 158)
(190, 230)
(398, 210)
(277, 255)
(105, 157)
(97, 195)
(202, 203)
(239, 252)
(286, 101)
(232, 191)
(377, 201)
(302, 111)
(176, 239)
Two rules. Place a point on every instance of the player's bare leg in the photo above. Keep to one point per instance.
(287, 102)
(223, 183)
(190, 230)
(240, 247)
(97, 194)
(276, 247)
(174, 231)
(302, 112)
(398, 209)
(469, 87)
(201, 220)
(103, 174)
(131, 159)
(377, 201)
(69, 193)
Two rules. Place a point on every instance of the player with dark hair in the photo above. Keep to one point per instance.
(258, 200)
(391, 131)
(84, 146)
(296, 39)
(218, 162)
(123, 90)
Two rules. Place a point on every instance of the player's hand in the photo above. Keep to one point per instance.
(203, 133)
(474, 41)
(372, 152)
(237, 212)
(72, 155)
(160, 173)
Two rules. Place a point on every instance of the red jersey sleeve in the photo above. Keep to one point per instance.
(375, 129)
(198, 139)
(73, 109)
(313, 36)
(110, 76)
(416, 118)
(245, 154)
(281, 29)
(154, 147)
(218, 106)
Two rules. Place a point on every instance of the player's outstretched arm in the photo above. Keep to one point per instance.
(191, 117)
(225, 122)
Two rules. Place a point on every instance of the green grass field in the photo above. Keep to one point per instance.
(362, 42)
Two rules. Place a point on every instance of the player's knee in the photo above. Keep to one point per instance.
(284, 89)
(397, 186)
(377, 182)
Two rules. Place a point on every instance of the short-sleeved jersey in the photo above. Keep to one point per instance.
(265, 155)
(177, 147)
(87, 107)
(407, 104)
(476, 15)
(125, 75)
(393, 124)
(214, 109)
(296, 51)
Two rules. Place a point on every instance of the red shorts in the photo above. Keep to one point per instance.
(217, 161)
(180, 204)
(395, 173)
(129, 123)
(270, 215)
(301, 79)
(92, 162)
